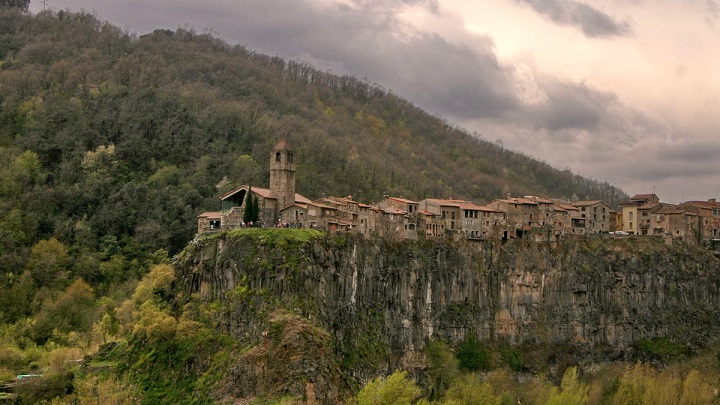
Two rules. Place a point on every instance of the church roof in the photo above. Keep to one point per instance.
(264, 193)
(282, 145)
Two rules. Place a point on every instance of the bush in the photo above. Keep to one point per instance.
(396, 389)
(473, 356)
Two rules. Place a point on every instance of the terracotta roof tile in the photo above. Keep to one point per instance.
(210, 215)
(402, 200)
(282, 145)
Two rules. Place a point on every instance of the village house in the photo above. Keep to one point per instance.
(709, 214)
(567, 219)
(669, 219)
(597, 215)
(630, 220)
(522, 214)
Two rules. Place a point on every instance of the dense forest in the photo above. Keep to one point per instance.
(111, 144)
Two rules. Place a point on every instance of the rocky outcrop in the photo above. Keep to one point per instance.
(382, 301)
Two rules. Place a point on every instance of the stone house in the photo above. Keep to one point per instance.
(709, 213)
(596, 214)
(567, 220)
(233, 206)
(669, 219)
(523, 214)
(447, 212)
(209, 221)
(632, 208)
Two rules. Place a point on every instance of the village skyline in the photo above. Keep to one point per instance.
(538, 218)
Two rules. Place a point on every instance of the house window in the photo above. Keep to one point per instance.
(631, 217)
(290, 157)
(277, 156)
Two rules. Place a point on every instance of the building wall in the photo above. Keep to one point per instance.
(630, 219)
(282, 177)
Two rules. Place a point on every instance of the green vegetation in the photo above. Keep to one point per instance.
(473, 356)
(662, 348)
(395, 389)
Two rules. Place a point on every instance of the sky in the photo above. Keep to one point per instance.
(625, 91)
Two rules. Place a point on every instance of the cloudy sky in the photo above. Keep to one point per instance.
(626, 91)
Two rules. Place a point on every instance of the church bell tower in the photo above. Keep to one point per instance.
(282, 175)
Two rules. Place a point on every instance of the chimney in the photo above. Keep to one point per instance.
(712, 200)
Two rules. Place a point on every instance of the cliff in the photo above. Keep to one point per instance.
(374, 304)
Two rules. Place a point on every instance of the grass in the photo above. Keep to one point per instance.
(270, 235)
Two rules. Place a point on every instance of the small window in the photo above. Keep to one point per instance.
(277, 156)
(290, 157)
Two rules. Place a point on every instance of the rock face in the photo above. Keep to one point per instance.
(382, 301)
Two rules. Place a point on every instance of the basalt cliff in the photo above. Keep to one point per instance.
(318, 312)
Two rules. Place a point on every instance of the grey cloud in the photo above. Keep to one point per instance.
(365, 40)
(591, 21)
(691, 152)
(572, 107)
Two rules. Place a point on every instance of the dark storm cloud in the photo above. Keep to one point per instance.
(367, 40)
(692, 152)
(591, 21)
(572, 106)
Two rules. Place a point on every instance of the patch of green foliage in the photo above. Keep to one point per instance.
(473, 355)
(276, 237)
(513, 357)
(178, 370)
(662, 348)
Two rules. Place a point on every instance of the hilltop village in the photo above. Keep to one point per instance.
(505, 218)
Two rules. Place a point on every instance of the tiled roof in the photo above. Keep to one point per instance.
(447, 203)
(519, 200)
(669, 210)
(702, 204)
(210, 215)
(474, 207)
(649, 206)
(303, 206)
(264, 193)
(586, 203)
(393, 211)
(321, 205)
(301, 199)
(402, 200)
(282, 145)
(642, 197)
(346, 200)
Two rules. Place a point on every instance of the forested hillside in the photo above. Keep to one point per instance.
(131, 137)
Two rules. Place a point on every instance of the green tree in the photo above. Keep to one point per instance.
(255, 210)
(441, 370)
(248, 213)
(696, 390)
(472, 356)
(469, 390)
(48, 263)
(72, 311)
(396, 389)
(571, 392)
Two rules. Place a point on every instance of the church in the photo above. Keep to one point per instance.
(279, 202)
